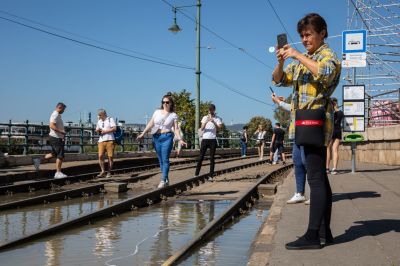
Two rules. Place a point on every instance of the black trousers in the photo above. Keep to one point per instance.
(205, 144)
(320, 189)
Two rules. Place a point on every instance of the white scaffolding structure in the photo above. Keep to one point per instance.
(381, 76)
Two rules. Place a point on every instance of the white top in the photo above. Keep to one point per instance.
(163, 121)
(285, 106)
(260, 135)
(210, 130)
(107, 124)
(56, 118)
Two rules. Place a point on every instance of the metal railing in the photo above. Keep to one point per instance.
(30, 138)
(26, 138)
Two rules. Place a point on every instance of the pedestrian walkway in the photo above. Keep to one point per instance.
(365, 221)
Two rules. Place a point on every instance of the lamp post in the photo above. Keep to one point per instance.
(175, 29)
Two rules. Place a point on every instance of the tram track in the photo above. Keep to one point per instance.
(143, 200)
(93, 189)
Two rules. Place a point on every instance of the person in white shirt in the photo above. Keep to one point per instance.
(105, 127)
(57, 138)
(161, 125)
(260, 141)
(209, 125)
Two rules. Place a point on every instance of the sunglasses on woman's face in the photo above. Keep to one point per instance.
(166, 102)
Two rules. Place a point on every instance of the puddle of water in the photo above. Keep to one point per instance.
(232, 246)
(20, 196)
(19, 222)
(146, 236)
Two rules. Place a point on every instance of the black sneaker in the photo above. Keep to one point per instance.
(303, 243)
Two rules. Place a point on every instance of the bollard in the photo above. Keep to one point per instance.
(353, 139)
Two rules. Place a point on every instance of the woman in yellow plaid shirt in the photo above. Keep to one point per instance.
(314, 76)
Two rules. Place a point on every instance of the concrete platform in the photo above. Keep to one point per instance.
(365, 221)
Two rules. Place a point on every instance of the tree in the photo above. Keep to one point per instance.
(281, 115)
(257, 120)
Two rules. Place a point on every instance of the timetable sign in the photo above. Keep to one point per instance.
(353, 92)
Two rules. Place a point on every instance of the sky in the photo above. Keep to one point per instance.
(40, 69)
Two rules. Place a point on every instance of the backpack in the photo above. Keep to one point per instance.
(118, 134)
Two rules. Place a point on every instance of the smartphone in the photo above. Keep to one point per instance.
(282, 40)
(271, 90)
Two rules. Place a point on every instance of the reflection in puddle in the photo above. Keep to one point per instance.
(146, 236)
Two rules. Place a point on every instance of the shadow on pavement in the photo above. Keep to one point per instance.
(347, 171)
(368, 228)
(355, 195)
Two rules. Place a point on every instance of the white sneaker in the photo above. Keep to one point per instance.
(274, 163)
(307, 202)
(334, 171)
(60, 175)
(161, 185)
(297, 198)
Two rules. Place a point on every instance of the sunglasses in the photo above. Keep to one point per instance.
(165, 102)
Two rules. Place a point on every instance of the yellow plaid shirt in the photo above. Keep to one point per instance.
(306, 86)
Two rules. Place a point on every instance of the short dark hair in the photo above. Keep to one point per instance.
(245, 127)
(278, 124)
(316, 21)
(334, 99)
(211, 107)
(61, 104)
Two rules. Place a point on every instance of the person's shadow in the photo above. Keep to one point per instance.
(368, 228)
(355, 195)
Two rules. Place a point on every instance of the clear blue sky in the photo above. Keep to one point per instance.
(38, 70)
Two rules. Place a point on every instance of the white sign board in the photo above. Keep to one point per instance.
(354, 41)
(353, 108)
(354, 63)
(352, 124)
(355, 56)
(353, 92)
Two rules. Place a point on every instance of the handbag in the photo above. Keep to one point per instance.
(309, 127)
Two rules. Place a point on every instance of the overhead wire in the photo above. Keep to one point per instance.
(90, 39)
(220, 37)
(234, 90)
(95, 46)
(283, 25)
(117, 52)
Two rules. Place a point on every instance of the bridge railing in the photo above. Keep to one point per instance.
(33, 138)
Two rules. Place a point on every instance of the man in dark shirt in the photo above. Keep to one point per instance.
(277, 143)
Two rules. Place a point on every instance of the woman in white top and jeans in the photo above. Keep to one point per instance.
(260, 135)
(161, 124)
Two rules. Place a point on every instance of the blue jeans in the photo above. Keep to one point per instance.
(243, 146)
(163, 145)
(300, 171)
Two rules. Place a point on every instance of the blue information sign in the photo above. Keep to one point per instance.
(354, 41)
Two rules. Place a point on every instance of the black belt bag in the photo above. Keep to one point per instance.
(309, 127)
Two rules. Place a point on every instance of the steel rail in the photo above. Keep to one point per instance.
(49, 183)
(236, 208)
(52, 197)
(73, 193)
(142, 200)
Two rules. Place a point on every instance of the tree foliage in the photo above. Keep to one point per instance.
(282, 116)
